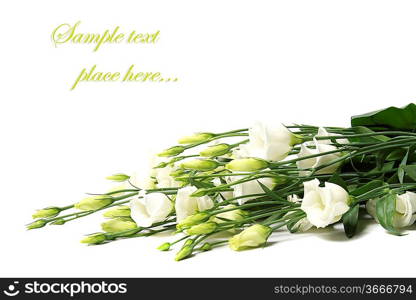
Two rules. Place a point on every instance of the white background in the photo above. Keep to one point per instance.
(237, 61)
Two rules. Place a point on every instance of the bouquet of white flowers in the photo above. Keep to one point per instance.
(248, 183)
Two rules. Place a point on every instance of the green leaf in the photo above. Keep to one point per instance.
(410, 171)
(391, 117)
(335, 178)
(402, 165)
(270, 193)
(367, 139)
(367, 188)
(350, 221)
(385, 210)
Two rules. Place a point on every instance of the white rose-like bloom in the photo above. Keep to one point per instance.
(405, 209)
(148, 209)
(322, 132)
(315, 162)
(324, 205)
(268, 141)
(185, 205)
(163, 178)
(143, 180)
(250, 187)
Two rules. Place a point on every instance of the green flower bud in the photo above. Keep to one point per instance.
(247, 164)
(161, 165)
(164, 247)
(251, 237)
(184, 253)
(192, 220)
(206, 247)
(37, 224)
(204, 228)
(118, 225)
(172, 151)
(188, 242)
(200, 192)
(200, 164)
(118, 177)
(93, 203)
(196, 138)
(46, 212)
(96, 238)
(117, 211)
(58, 222)
(231, 215)
(177, 172)
(215, 150)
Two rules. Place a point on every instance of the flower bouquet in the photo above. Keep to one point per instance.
(238, 187)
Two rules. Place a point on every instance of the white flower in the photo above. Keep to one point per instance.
(269, 142)
(163, 178)
(185, 205)
(315, 162)
(143, 180)
(250, 187)
(322, 132)
(148, 209)
(324, 205)
(405, 209)
(293, 198)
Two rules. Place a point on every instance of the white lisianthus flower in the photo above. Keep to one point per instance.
(148, 209)
(185, 205)
(269, 142)
(315, 162)
(324, 205)
(249, 187)
(405, 209)
(322, 132)
(164, 179)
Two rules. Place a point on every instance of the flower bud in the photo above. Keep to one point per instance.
(200, 164)
(196, 138)
(231, 215)
(206, 247)
(184, 253)
(94, 203)
(37, 224)
(118, 225)
(247, 164)
(253, 236)
(58, 222)
(192, 220)
(215, 150)
(118, 177)
(200, 192)
(172, 151)
(96, 238)
(188, 242)
(204, 228)
(46, 212)
(164, 247)
(118, 211)
(177, 172)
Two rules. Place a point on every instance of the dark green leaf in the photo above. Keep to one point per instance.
(391, 117)
(270, 193)
(350, 221)
(410, 171)
(403, 163)
(335, 178)
(367, 188)
(367, 139)
(385, 210)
